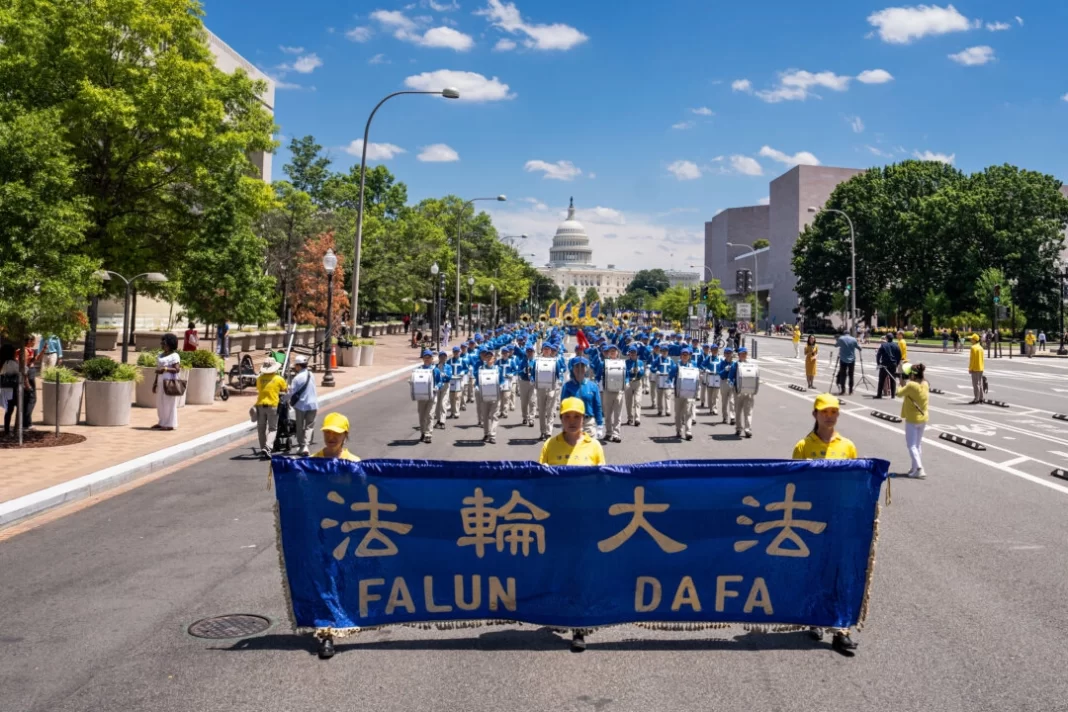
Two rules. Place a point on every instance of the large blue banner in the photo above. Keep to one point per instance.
(403, 541)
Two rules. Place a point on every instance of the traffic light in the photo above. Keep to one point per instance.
(849, 285)
(997, 293)
(739, 280)
(748, 281)
(704, 293)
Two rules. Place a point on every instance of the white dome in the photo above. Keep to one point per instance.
(571, 245)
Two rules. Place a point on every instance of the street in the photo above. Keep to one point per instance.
(967, 608)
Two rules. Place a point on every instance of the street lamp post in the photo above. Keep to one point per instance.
(329, 264)
(435, 317)
(493, 290)
(459, 236)
(1062, 272)
(470, 285)
(106, 275)
(853, 267)
(510, 239)
(756, 282)
(448, 93)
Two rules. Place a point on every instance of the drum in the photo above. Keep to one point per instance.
(748, 378)
(689, 378)
(488, 383)
(456, 384)
(614, 370)
(711, 379)
(545, 374)
(663, 381)
(422, 384)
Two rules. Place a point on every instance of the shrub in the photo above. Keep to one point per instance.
(186, 358)
(126, 372)
(99, 369)
(204, 359)
(147, 359)
(65, 375)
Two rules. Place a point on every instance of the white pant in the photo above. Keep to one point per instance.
(914, 442)
(547, 409)
(613, 413)
(797, 349)
(743, 411)
(527, 402)
(634, 401)
(684, 408)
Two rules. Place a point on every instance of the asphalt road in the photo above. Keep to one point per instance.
(968, 604)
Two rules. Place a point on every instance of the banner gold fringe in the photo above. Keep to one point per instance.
(871, 566)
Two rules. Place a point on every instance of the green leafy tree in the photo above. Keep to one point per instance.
(591, 296)
(718, 306)
(570, 295)
(308, 171)
(674, 303)
(635, 299)
(760, 244)
(651, 281)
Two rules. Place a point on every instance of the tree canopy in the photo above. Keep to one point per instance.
(651, 281)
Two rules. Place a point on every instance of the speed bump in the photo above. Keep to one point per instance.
(962, 441)
(999, 404)
(1063, 474)
(797, 388)
(886, 416)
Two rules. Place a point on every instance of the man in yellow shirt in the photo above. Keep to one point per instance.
(824, 443)
(976, 363)
(572, 447)
(901, 344)
(269, 388)
(335, 435)
(797, 341)
(1030, 341)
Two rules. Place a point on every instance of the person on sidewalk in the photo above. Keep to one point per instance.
(976, 366)
(1030, 341)
(887, 359)
(269, 388)
(824, 443)
(812, 350)
(1042, 341)
(305, 402)
(916, 396)
(847, 362)
(10, 381)
(222, 339)
(51, 351)
(32, 358)
(168, 366)
(578, 387)
(796, 338)
(192, 339)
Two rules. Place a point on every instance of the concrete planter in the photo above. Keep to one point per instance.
(345, 357)
(148, 340)
(367, 355)
(278, 339)
(70, 402)
(242, 341)
(363, 329)
(143, 396)
(201, 388)
(106, 340)
(261, 341)
(107, 403)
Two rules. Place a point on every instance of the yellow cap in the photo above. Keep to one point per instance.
(336, 423)
(975, 338)
(572, 405)
(826, 400)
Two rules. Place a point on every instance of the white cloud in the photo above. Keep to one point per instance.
(542, 37)
(375, 151)
(685, 170)
(472, 86)
(797, 85)
(438, 153)
(359, 34)
(856, 123)
(291, 50)
(1064, 98)
(702, 111)
(307, 64)
(379, 59)
(902, 25)
(746, 165)
(874, 76)
(444, 7)
(879, 152)
(601, 216)
(538, 205)
(393, 18)
(591, 175)
(801, 158)
(441, 37)
(282, 86)
(743, 85)
(766, 200)
(561, 170)
(931, 156)
(998, 26)
(504, 45)
(1019, 20)
(683, 125)
(974, 56)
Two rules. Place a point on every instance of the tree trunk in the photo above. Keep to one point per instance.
(90, 331)
(927, 331)
(133, 316)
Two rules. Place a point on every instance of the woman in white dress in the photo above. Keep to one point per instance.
(168, 366)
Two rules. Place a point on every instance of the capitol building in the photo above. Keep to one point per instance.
(571, 264)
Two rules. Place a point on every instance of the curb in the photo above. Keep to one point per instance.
(98, 482)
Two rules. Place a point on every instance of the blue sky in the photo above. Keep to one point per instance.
(656, 115)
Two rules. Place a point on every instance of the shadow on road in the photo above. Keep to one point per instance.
(404, 443)
(524, 441)
(663, 439)
(469, 443)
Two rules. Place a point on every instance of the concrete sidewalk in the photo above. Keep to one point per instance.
(40, 478)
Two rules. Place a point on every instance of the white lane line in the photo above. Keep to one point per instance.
(948, 448)
(1014, 461)
(1004, 426)
(1059, 453)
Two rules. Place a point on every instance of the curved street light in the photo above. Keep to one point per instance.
(756, 282)
(459, 235)
(106, 275)
(853, 267)
(448, 93)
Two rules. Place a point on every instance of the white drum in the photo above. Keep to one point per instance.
(689, 378)
(456, 384)
(614, 371)
(663, 381)
(488, 383)
(545, 374)
(711, 379)
(747, 379)
(422, 384)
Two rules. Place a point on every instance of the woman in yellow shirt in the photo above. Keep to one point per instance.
(269, 388)
(797, 340)
(335, 435)
(811, 350)
(824, 443)
(916, 395)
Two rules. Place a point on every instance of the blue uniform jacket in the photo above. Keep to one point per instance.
(589, 394)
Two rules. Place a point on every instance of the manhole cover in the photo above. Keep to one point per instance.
(240, 625)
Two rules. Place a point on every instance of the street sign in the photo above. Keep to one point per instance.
(1003, 312)
(702, 311)
(743, 310)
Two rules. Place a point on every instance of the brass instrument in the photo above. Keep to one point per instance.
(600, 318)
(568, 319)
(543, 318)
(525, 318)
(624, 318)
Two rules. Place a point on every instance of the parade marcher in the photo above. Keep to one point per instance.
(663, 364)
(488, 406)
(824, 443)
(578, 387)
(472, 359)
(426, 408)
(812, 350)
(701, 361)
(726, 388)
(916, 397)
(506, 366)
(635, 379)
(903, 345)
(684, 409)
(441, 395)
(796, 338)
(847, 362)
(712, 365)
(573, 447)
(547, 396)
(976, 366)
(335, 435)
(613, 399)
(743, 398)
(887, 359)
(304, 401)
(527, 402)
(654, 385)
(458, 368)
(269, 388)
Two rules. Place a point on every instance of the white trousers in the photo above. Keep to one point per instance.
(914, 442)
(613, 413)
(547, 409)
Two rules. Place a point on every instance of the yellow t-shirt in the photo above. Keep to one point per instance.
(268, 387)
(914, 394)
(345, 455)
(904, 349)
(797, 336)
(812, 448)
(556, 451)
(976, 359)
(1030, 339)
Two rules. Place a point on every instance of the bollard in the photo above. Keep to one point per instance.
(886, 416)
(753, 348)
(962, 441)
(999, 404)
(797, 388)
(1063, 474)
(1060, 416)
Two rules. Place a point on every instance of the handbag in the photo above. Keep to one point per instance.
(174, 387)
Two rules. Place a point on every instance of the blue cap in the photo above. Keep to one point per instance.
(687, 350)
(530, 347)
(485, 350)
(706, 346)
(442, 353)
(427, 352)
(632, 350)
(714, 346)
(743, 350)
(728, 350)
(507, 348)
(579, 361)
(456, 349)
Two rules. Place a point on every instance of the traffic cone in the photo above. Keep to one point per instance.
(333, 357)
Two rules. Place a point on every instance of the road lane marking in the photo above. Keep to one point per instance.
(1014, 461)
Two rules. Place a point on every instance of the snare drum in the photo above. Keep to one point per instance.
(688, 380)
(663, 381)
(456, 384)
(614, 375)
(422, 384)
(489, 383)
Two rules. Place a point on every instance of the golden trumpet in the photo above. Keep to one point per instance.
(543, 317)
(525, 318)
(568, 319)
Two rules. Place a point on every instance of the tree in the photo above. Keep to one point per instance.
(146, 117)
(311, 286)
(718, 306)
(307, 170)
(636, 299)
(673, 303)
(571, 295)
(545, 291)
(591, 296)
(760, 244)
(652, 281)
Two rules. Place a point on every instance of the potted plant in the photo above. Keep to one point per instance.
(106, 338)
(203, 375)
(348, 354)
(367, 352)
(68, 403)
(108, 391)
(146, 363)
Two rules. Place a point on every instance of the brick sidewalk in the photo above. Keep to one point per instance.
(39, 468)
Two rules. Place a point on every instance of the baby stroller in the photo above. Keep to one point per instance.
(286, 432)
